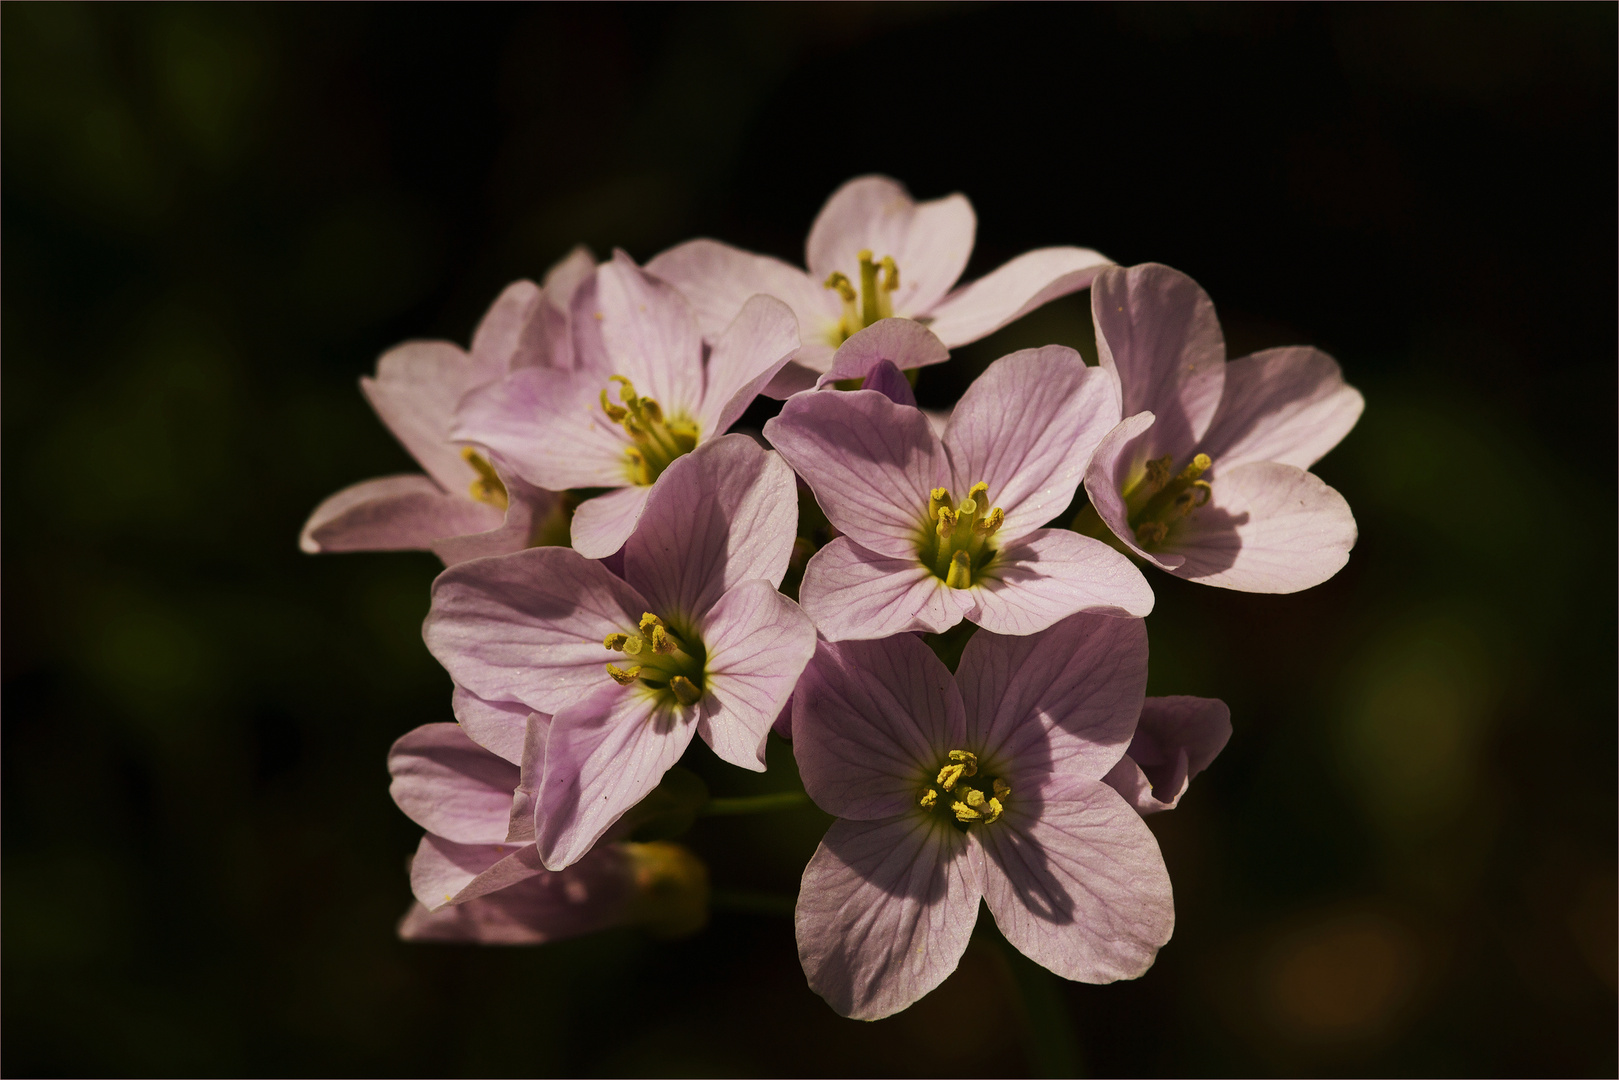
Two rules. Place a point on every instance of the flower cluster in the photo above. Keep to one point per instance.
(625, 573)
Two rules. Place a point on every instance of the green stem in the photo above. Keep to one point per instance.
(754, 804)
(752, 903)
(1053, 1050)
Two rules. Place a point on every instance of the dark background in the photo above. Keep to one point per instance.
(215, 218)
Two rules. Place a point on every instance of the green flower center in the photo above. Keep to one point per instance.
(1161, 497)
(873, 300)
(669, 666)
(656, 440)
(963, 794)
(956, 542)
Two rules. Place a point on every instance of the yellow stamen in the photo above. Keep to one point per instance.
(938, 498)
(616, 642)
(960, 575)
(929, 798)
(624, 676)
(685, 690)
(487, 488)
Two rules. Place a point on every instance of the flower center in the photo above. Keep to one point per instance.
(873, 301)
(1161, 498)
(955, 544)
(487, 488)
(963, 795)
(656, 440)
(671, 667)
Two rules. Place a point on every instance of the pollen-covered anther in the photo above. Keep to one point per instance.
(1158, 501)
(963, 763)
(929, 799)
(938, 499)
(624, 676)
(957, 547)
(616, 641)
(487, 488)
(960, 574)
(685, 690)
(655, 439)
(867, 302)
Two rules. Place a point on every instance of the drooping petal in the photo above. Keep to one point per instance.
(929, 241)
(1175, 740)
(550, 340)
(748, 354)
(525, 797)
(451, 786)
(855, 594)
(1027, 427)
(591, 895)
(870, 462)
(1052, 574)
(758, 642)
(872, 722)
(528, 509)
(1077, 883)
(1289, 405)
(1061, 702)
(417, 388)
(445, 872)
(529, 626)
(604, 524)
(1267, 528)
(885, 911)
(548, 426)
(498, 726)
(393, 513)
(649, 335)
(602, 756)
(1157, 331)
(904, 343)
(724, 513)
(501, 333)
(1115, 465)
(718, 279)
(1012, 290)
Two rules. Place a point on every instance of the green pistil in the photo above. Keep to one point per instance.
(957, 547)
(671, 666)
(874, 300)
(657, 439)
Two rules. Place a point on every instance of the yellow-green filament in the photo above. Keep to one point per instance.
(1161, 498)
(487, 488)
(872, 300)
(655, 439)
(957, 544)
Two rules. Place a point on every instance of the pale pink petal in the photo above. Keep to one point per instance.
(509, 320)
(528, 509)
(445, 872)
(747, 356)
(451, 786)
(722, 514)
(550, 340)
(852, 593)
(872, 723)
(1157, 331)
(547, 426)
(649, 335)
(758, 642)
(591, 895)
(1267, 528)
(1075, 881)
(1012, 290)
(525, 797)
(929, 241)
(603, 524)
(1176, 738)
(497, 726)
(603, 756)
(904, 343)
(393, 513)
(870, 462)
(718, 279)
(1117, 464)
(890, 382)
(1027, 427)
(1062, 702)
(800, 375)
(1289, 405)
(417, 388)
(1052, 574)
(885, 910)
(529, 626)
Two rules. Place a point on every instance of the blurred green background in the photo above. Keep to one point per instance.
(215, 218)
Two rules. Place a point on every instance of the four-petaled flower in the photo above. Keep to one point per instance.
(986, 784)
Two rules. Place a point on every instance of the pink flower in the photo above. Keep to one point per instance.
(1205, 477)
(468, 504)
(875, 252)
(938, 530)
(694, 639)
(642, 392)
(476, 875)
(982, 785)
(1176, 738)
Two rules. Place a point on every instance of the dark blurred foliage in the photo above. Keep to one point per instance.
(215, 217)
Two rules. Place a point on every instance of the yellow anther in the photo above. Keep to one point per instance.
(663, 641)
(987, 526)
(964, 812)
(626, 392)
(615, 413)
(1158, 471)
(890, 273)
(992, 811)
(960, 574)
(975, 798)
(979, 492)
(1200, 465)
(939, 498)
(929, 799)
(651, 411)
(616, 642)
(634, 645)
(1002, 788)
(967, 758)
(962, 763)
(685, 690)
(949, 775)
(1149, 533)
(624, 676)
(487, 488)
(649, 621)
(838, 280)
